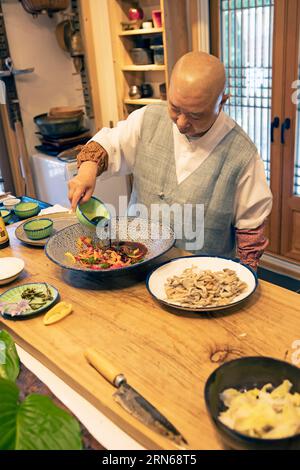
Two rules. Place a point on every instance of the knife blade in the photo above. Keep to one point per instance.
(131, 400)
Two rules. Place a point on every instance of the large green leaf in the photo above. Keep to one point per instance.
(35, 424)
(9, 394)
(9, 359)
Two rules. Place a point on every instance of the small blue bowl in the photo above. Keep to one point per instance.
(92, 213)
(38, 229)
(25, 210)
(6, 215)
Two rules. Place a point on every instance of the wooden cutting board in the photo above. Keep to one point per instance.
(166, 356)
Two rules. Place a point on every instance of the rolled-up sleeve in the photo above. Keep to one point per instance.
(121, 143)
(253, 198)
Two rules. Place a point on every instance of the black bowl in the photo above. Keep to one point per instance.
(247, 373)
(59, 127)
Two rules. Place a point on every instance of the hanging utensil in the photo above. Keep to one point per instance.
(63, 34)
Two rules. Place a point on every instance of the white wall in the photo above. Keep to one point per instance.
(33, 43)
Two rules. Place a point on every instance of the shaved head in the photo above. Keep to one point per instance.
(197, 89)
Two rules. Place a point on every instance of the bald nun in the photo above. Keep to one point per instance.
(187, 153)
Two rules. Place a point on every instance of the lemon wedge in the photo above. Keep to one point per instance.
(57, 313)
(70, 256)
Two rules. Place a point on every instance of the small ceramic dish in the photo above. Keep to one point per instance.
(6, 215)
(24, 210)
(15, 307)
(92, 213)
(10, 269)
(10, 203)
(60, 220)
(38, 229)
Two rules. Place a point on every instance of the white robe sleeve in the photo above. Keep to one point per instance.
(120, 143)
(253, 199)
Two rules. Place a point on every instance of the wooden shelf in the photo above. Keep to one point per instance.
(173, 35)
(143, 101)
(143, 68)
(137, 32)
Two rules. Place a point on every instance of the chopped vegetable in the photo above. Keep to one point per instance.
(119, 255)
(269, 413)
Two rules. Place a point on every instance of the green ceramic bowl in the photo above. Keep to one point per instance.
(92, 213)
(6, 215)
(38, 229)
(24, 210)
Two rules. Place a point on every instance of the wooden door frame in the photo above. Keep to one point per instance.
(91, 59)
(278, 75)
(277, 110)
(214, 26)
(290, 202)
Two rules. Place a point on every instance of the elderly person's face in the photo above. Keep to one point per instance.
(193, 117)
(195, 95)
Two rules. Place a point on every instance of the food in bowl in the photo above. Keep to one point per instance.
(6, 215)
(98, 257)
(38, 229)
(267, 413)
(156, 237)
(197, 288)
(25, 210)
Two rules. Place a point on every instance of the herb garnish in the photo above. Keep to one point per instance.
(37, 298)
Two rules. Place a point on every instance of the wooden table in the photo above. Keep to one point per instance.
(166, 355)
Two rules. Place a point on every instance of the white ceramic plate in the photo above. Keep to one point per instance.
(10, 269)
(157, 278)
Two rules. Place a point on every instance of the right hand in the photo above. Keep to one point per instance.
(81, 187)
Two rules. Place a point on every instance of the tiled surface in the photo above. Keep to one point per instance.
(43, 205)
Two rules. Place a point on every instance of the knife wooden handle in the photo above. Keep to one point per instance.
(109, 371)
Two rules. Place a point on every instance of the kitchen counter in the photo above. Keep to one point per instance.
(165, 354)
(99, 426)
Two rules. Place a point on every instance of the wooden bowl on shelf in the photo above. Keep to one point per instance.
(65, 111)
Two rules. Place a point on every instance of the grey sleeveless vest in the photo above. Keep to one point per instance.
(213, 184)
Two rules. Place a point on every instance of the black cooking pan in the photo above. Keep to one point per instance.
(59, 127)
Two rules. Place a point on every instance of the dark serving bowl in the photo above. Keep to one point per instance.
(51, 126)
(247, 373)
(157, 237)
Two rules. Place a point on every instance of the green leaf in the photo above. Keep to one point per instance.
(9, 359)
(35, 424)
(9, 394)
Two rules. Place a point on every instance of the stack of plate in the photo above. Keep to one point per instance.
(61, 129)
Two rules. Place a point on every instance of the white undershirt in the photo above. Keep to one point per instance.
(253, 198)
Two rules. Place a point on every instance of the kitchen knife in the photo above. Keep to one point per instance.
(132, 401)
